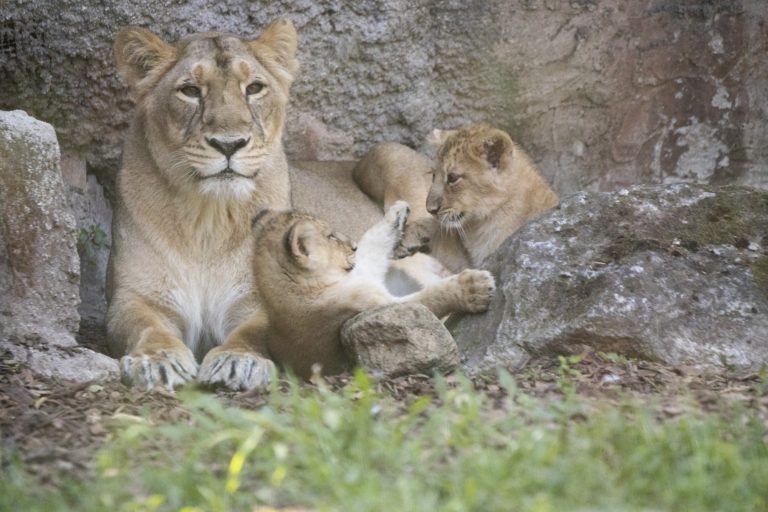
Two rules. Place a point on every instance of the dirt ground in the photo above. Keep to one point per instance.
(57, 427)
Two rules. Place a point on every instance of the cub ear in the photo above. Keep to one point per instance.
(279, 40)
(438, 137)
(138, 52)
(299, 243)
(496, 148)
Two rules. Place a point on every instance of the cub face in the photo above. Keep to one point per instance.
(301, 245)
(213, 104)
(472, 174)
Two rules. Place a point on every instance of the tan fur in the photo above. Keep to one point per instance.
(203, 154)
(304, 272)
(498, 189)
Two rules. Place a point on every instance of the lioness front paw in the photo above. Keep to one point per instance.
(170, 368)
(477, 287)
(236, 370)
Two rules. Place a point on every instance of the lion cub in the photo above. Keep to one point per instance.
(484, 188)
(311, 280)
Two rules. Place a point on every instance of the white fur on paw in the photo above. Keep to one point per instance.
(397, 215)
(238, 371)
(169, 368)
(477, 287)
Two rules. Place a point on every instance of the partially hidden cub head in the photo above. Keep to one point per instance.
(299, 249)
(475, 172)
(211, 106)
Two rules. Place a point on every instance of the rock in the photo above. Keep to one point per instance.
(675, 274)
(94, 220)
(64, 361)
(39, 267)
(39, 275)
(399, 339)
(602, 93)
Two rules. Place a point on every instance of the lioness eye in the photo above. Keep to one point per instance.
(190, 91)
(254, 88)
(452, 178)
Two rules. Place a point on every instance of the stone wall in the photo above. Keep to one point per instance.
(604, 93)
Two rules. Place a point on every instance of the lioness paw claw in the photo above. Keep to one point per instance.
(167, 368)
(477, 287)
(237, 371)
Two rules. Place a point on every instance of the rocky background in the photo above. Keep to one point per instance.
(603, 93)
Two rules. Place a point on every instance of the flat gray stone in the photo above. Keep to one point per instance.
(399, 339)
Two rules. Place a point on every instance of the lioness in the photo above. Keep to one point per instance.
(312, 279)
(483, 188)
(203, 154)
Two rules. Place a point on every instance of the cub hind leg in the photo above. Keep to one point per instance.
(375, 249)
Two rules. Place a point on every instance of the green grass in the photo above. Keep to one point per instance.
(358, 450)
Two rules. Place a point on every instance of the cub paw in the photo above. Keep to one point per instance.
(169, 368)
(236, 370)
(397, 215)
(477, 287)
(416, 238)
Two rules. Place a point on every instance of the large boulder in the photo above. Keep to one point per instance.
(676, 274)
(39, 267)
(399, 339)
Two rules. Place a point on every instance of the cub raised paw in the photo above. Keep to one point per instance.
(168, 367)
(237, 370)
(397, 216)
(477, 287)
(416, 237)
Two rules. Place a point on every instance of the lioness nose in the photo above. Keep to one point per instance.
(226, 146)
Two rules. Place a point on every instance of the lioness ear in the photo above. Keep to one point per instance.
(298, 242)
(438, 137)
(497, 149)
(138, 52)
(279, 40)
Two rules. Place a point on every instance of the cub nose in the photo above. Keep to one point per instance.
(433, 205)
(225, 145)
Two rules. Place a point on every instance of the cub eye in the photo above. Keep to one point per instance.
(452, 178)
(191, 91)
(254, 88)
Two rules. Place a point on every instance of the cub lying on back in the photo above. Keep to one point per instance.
(484, 188)
(311, 280)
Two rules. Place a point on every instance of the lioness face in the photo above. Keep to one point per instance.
(304, 244)
(213, 104)
(470, 178)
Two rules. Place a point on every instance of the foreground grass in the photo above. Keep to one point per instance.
(358, 450)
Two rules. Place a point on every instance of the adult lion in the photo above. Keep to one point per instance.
(202, 155)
